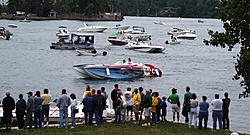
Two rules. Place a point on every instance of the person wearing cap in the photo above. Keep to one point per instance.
(129, 103)
(30, 109)
(147, 104)
(38, 100)
(63, 103)
(136, 104)
(86, 92)
(46, 103)
(8, 106)
(174, 100)
(20, 111)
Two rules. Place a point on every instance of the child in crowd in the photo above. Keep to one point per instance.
(164, 109)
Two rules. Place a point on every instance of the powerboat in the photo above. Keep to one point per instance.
(160, 22)
(91, 28)
(25, 20)
(178, 31)
(12, 25)
(117, 71)
(77, 41)
(5, 34)
(144, 47)
(120, 27)
(187, 36)
(63, 32)
(90, 53)
(119, 39)
(173, 41)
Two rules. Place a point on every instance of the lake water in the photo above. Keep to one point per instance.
(28, 64)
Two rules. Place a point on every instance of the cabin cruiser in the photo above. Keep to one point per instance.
(144, 47)
(91, 28)
(187, 36)
(178, 31)
(63, 32)
(5, 34)
(117, 71)
(120, 27)
(77, 41)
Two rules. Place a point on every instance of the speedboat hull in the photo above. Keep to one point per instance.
(143, 47)
(187, 36)
(113, 71)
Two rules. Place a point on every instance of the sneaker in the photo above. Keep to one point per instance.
(145, 124)
(174, 122)
(72, 127)
(42, 124)
(149, 124)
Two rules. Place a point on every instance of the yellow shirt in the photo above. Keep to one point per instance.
(136, 99)
(46, 99)
(155, 102)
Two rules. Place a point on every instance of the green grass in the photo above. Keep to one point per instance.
(167, 128)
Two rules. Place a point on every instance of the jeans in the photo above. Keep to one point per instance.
(38, 115)
(90, 113)
(225, 119)
(28, 120)
(154, 116)
(193, 113)
(217, 115)
(118, 114)
(98, 116)
(203, 115)
(73, 118)
(63, 111)
(20, 121)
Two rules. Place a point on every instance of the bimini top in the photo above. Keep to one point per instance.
(178, 29)
(62, 26)
(2, 28)
(82, 34)
(140, 28)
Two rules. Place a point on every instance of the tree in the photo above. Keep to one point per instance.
(235, 16)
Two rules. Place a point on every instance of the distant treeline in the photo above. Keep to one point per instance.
(180, 8)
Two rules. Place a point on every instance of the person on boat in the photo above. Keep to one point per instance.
(136, 104)
(174, 100)
(129, 62)
(129, 103)
(38, 100)
(63, 103)
(94, 51)
(99, 105)
(73, 106)
(123, 61)
(147, 104)
(8, 106)
(30, 109)
(20, 111)
(88, 108)
(114, 96)
(46, 103)
(86, 92)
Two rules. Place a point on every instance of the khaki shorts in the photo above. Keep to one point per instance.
(136, 108)
(147, 111)
(175, 108)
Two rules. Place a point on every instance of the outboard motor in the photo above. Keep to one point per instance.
(104, 53)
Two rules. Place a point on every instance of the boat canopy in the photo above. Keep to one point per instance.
(82, 37)
(2, 28)
(62, 27)
(139, 28)
(178, 29)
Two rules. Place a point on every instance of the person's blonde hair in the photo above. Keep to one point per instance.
(88, 94)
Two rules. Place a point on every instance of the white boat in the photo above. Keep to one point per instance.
(25, 20)
(187, 36)
(5, 34)
(178, 31)
(91, 28)
(160, 22)
(90, 53)
(63, 32)
(173, 41)
(12, 25)
(144, 47)
(120, 27)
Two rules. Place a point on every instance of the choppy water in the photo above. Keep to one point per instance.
(27, 63)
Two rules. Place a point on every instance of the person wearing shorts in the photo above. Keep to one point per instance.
(45, 106)
(174, 100)
(136, 104)
(147, 104)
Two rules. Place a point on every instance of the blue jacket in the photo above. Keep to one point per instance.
(89, 103)
(20, 107)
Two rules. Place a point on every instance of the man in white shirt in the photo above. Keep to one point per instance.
(217, 112)
(129, 103)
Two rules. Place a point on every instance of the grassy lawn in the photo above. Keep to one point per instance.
(125, 128)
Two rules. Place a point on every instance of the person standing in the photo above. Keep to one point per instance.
(88, 90)
(99, 105)
(186, 103)
(141, 92)
(155, 102)
(136, 104)
(38, 100)
(8, 106)
(129, 102)
(63, 103)
(225, 106)
(114, 96)
(45, 108)
(119, 104)
(124, 107)
(30, 109)
(20, 111)
(217, 112)
(164, 109)
(193, 110)
(73, 106)
(203, 114)
(174, 100)
(104, 93)
(147, 104)
(88, 108)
